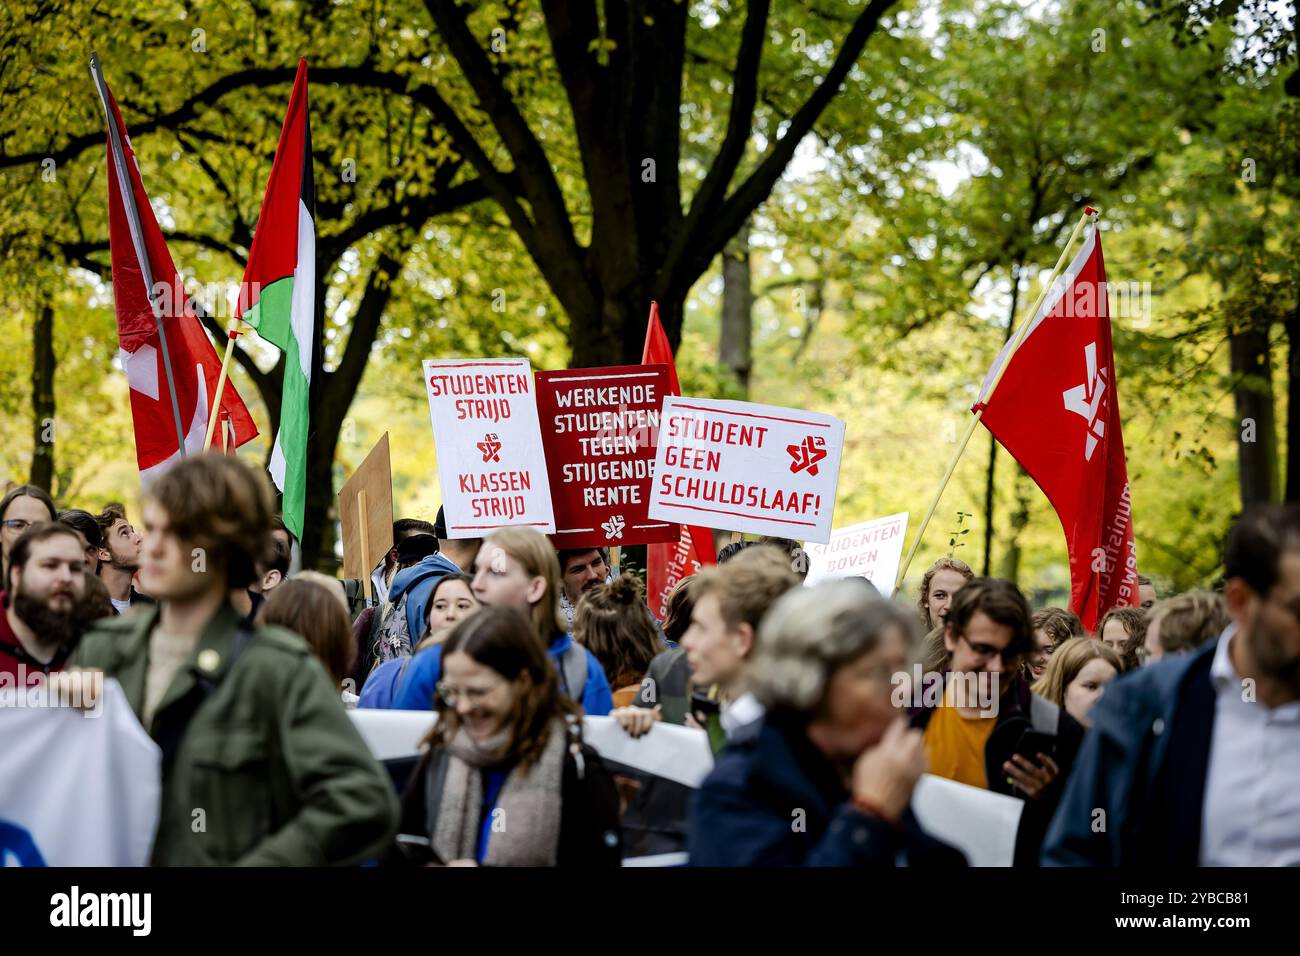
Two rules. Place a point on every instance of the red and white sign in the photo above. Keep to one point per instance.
(490, 459)
(600, 427)
(747, 467)
(869, 550)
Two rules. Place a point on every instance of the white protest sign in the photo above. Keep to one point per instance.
(869, 550)
(746, 467)
(490, 459)
(78, 788)
(681, 754)
(980, 823)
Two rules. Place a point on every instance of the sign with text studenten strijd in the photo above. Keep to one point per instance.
(869, 550)
(747, 467)
(600, 427)
(490, 460)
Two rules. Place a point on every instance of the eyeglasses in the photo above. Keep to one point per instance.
(473, 695)
(1009, 658)
(17, 524)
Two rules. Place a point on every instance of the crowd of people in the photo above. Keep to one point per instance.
(1170, 734)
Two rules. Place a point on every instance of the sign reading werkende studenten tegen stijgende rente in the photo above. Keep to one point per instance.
(747, 467)
(490, 460)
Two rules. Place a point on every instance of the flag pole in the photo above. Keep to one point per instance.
(235, 332)
(1089, 215)
(137, 240)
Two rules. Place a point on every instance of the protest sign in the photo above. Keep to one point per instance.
(366, 514)
(490, 460)
(600, 427)
(869, 550)
(747, 467)
(79, 788)
(980, 823)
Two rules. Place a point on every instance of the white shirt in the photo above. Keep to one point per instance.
(745, 709)
(1252, 787)
(122, 606)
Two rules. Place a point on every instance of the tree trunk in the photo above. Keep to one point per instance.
(1019, 520)
(1293, 403)
(989, 485)
(1252, 371)
(43, 398)
(737, 309)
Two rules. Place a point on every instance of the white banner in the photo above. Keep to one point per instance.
(869, 550)
(490, 460)
(675, 753)
(980, 823)
(77, 788)
(747, 467)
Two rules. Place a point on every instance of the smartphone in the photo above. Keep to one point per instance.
(702, 707)
(1034, 742)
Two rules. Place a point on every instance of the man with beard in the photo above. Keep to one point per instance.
(44, 587)
(580, 571)
(119, 557)
(1195, 760)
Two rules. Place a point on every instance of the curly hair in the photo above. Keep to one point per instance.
(1058, 624)
(943, 564)
(1134, 622)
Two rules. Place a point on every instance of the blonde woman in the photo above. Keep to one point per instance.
(1076, 675)
(517, 567)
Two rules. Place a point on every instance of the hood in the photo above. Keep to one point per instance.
(416, 584)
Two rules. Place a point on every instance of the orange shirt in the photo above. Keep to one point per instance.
(954, 746)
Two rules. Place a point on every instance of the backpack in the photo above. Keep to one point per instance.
(391, 636)
(572, 668)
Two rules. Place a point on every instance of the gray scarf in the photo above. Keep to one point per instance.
(526, 819)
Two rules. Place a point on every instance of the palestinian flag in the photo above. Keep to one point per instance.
(278, 297)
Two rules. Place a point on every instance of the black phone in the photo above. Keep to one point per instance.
(703, 707)
(1034, 742)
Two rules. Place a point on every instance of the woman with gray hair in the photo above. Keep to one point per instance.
(826, 778)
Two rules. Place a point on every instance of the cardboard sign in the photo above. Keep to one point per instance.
(746, 467)
(600, 427)
(366, 513)
(869, 550)
(490, 460)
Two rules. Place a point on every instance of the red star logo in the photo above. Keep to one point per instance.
(806, 455)
(490, 446)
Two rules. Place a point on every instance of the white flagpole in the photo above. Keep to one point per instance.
(137, 239)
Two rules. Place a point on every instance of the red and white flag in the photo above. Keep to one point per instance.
(667, 564)
(134, 235)
(1056, 410)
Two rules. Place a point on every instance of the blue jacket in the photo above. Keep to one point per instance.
(1138, 788)
(773, 799)
(415, 690)
(416, 584)
(380, 687)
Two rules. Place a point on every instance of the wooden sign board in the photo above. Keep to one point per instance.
(366, 514)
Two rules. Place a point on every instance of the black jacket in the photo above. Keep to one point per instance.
(773, 799)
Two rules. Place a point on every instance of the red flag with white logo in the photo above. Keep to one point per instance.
(667, 564)
(1056, 410)
(194, 362)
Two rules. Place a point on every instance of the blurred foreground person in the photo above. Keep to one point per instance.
(826, 777)
(249, 723)
(506, 779)
(1196, 759)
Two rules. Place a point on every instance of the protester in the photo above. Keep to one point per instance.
(244, 718)
(1196, 760)
(459, 551)
(315, 614)
(581, 570)
(21, 508)
(730, 550)
(1053, 626)
(94, 604)
(382, 576)
(276, 570)
(451, 600)
(940, 582)
(611, 622)
(977, 711)
(88, 530)
(826, 777)
(1147, 595)
(506, 779)
(43, 613)
(119, 557)
(793, 551)
(516, 567)
(1123, 630)
(1078, 673)
(1183, 623)
(667, 680)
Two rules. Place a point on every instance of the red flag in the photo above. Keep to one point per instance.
(667, 564)
(194, 362)
(1056, 410)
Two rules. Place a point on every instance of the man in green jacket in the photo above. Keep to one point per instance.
(261, 765)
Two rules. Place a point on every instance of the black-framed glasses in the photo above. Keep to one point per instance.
(1009, 658)
(17, 524)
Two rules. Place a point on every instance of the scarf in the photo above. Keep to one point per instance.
(526, 819)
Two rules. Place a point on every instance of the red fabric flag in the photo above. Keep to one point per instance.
(194, 361)
(667, 564)
(1056, 410)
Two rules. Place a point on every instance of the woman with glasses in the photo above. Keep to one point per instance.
(21, 508)
(506, 779)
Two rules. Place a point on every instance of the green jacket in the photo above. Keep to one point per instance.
(270, 769)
